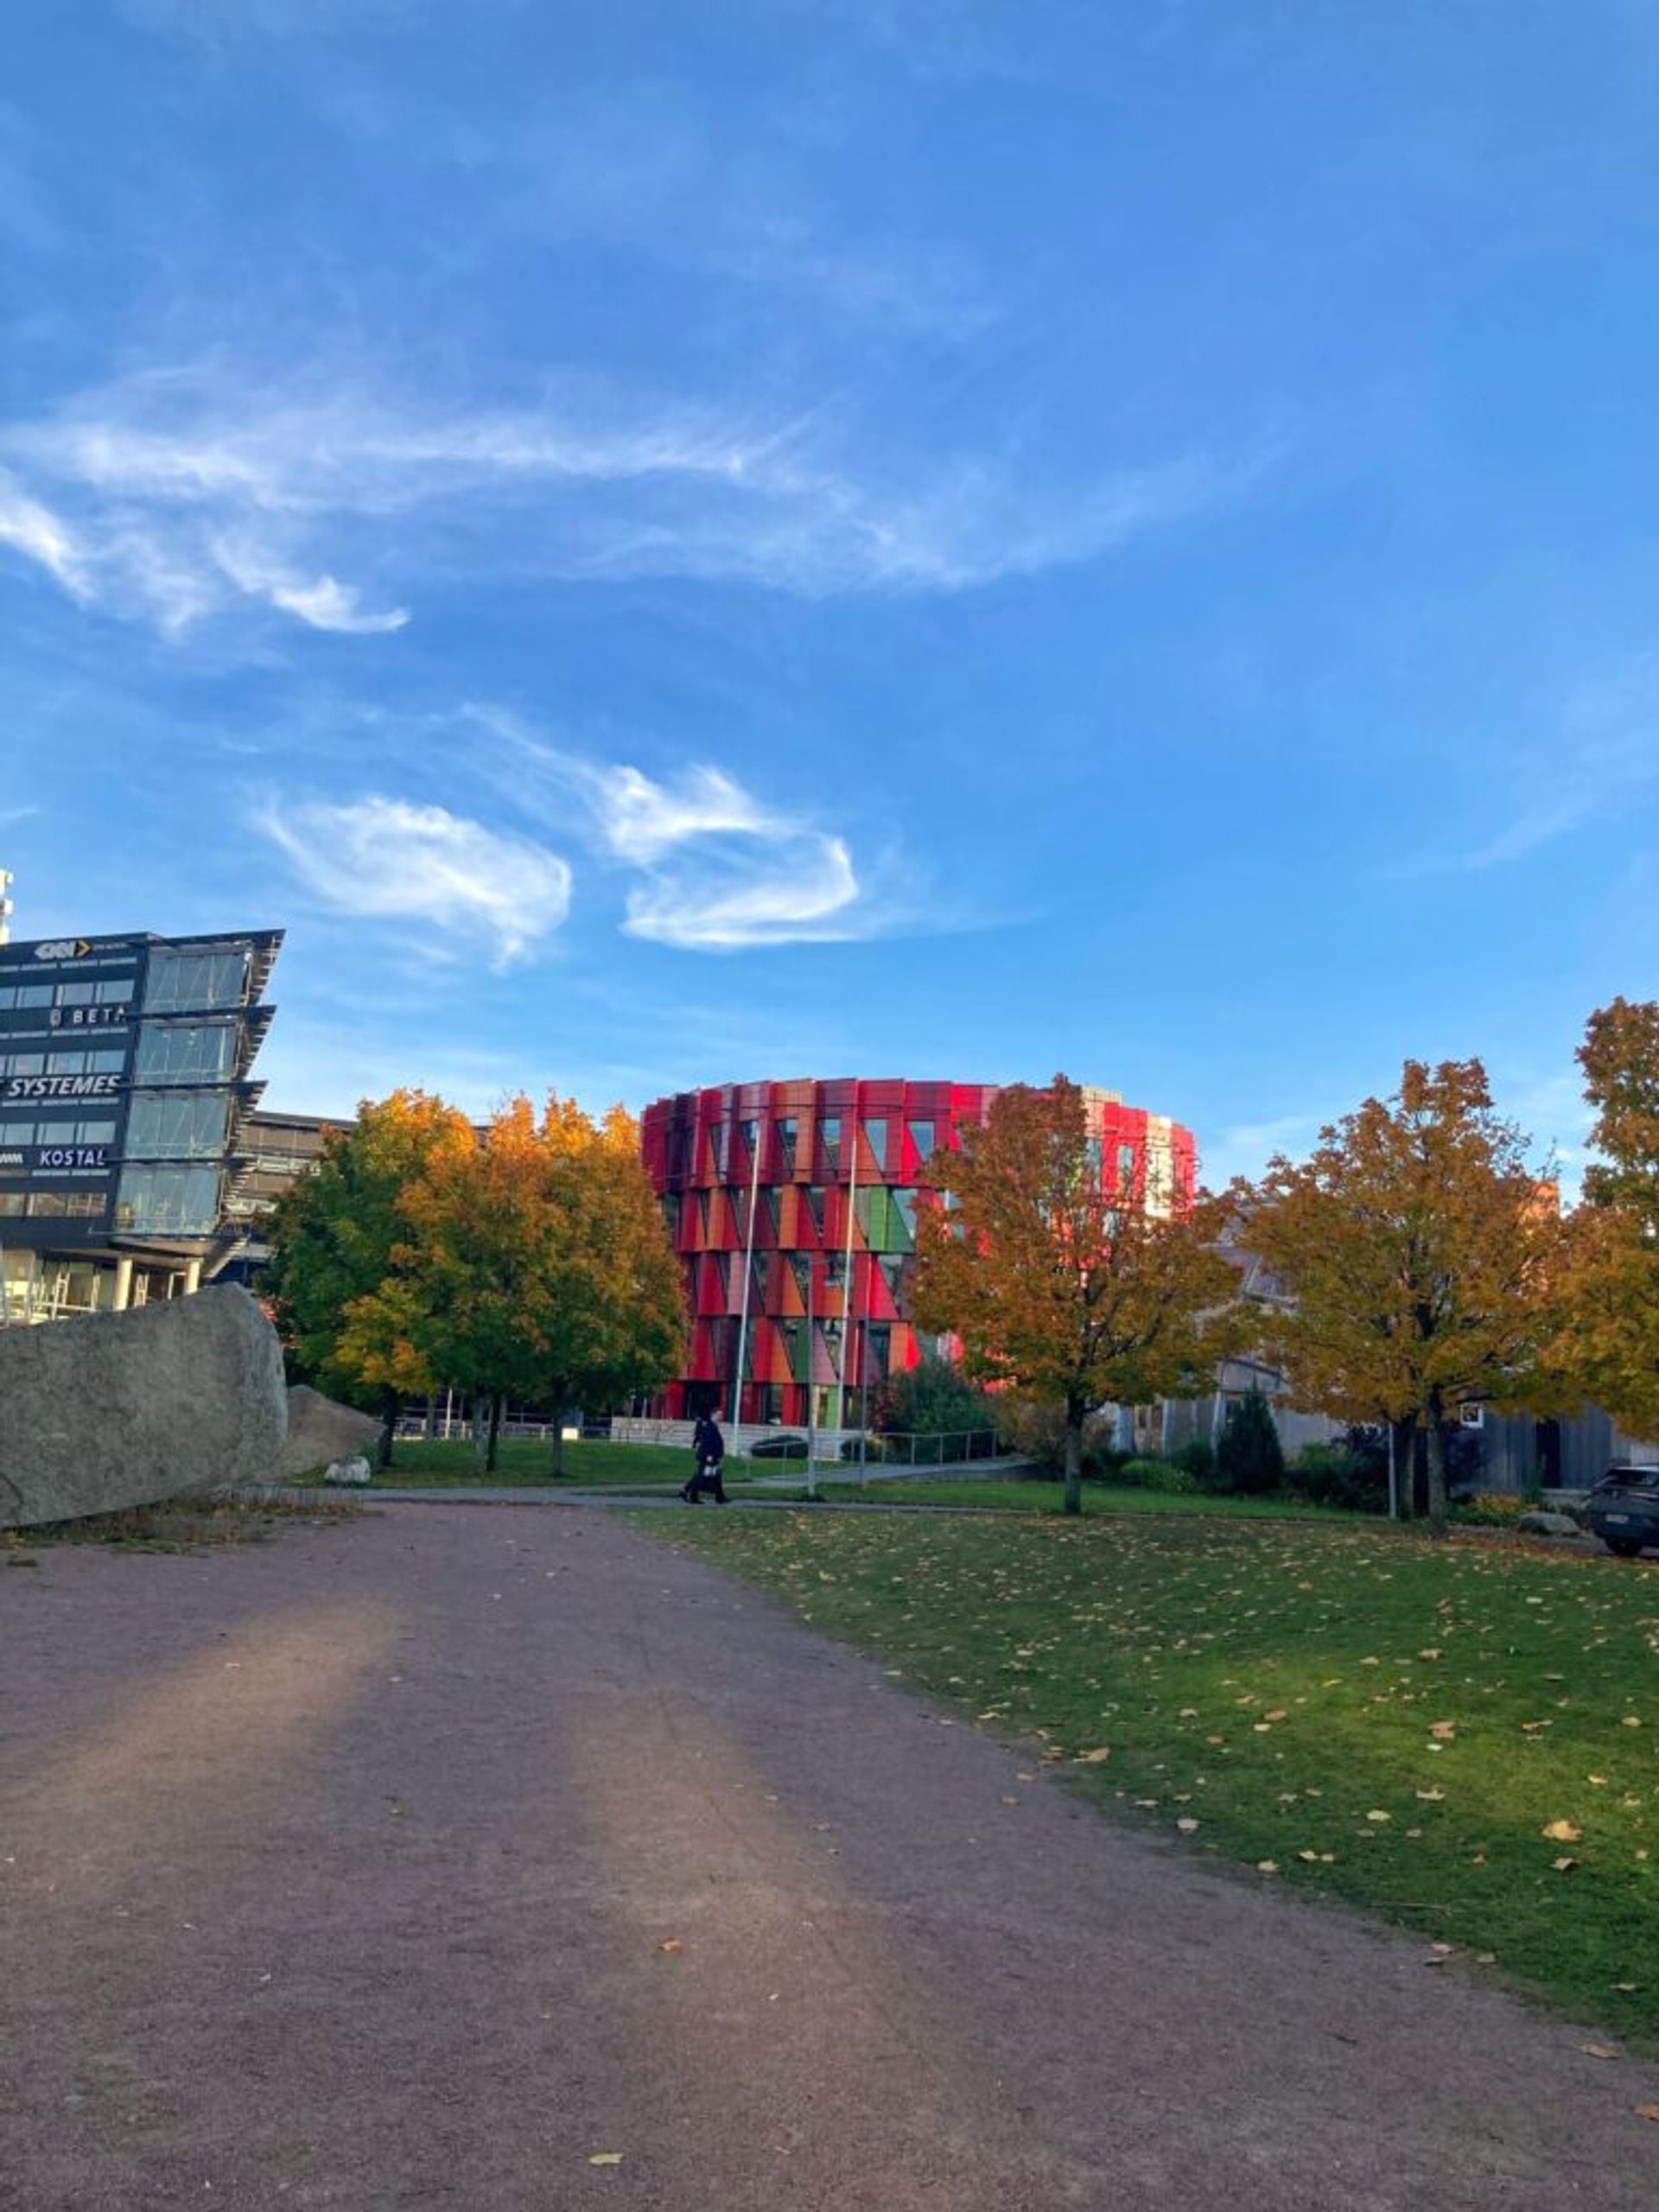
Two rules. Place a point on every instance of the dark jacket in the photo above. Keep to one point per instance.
(709, 1444)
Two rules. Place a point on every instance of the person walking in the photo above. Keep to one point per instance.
(710, 1447)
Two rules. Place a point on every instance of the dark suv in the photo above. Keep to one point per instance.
(1623, 1509)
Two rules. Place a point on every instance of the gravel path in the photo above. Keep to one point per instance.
(415, 1862)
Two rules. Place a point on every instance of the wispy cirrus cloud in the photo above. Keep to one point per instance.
(713, 868)
(1606, 755)
(176, 496)
(388, 860)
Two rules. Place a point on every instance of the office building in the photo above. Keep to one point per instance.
(126, 1085)
(794, 1205)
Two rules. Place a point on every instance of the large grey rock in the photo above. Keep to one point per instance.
(120, 1409)
(321, 1430)
(1548, 1524)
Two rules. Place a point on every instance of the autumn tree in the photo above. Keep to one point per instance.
(1610, 1340)
(537, 1266)
(334, 1235)
(1414, 1259)
(1055, 1276)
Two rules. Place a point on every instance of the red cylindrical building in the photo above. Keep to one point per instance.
(792, 1206)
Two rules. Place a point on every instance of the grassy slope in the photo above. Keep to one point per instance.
(1369, 1713)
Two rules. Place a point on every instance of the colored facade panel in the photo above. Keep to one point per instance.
(793, 1209)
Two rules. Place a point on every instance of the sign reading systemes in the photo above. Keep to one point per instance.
(64, 1086)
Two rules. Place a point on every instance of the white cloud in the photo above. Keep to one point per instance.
(36, 531)
(717, 869)
(175, 495)
(803, 892)
(643, 820)
(384, 859)
(324, 605)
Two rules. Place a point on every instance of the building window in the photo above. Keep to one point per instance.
(79, 1205)
(878, 1356)
(815, 1206)
(169, 1201)
(202, 1052)
(830, 1138)
(875, 1135)
(195, 982)
(787, 1132)
(922, 1136)
(1125, 1166)
(190, 1126)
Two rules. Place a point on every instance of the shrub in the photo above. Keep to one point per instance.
(1157, 1474)
(1346, 1474)
(932, 1399)
(1036, 1427)
(1198, 1457)
(1492, 1509)
(1249, 1457)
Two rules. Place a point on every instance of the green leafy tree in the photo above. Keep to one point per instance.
(1414, 1260)
(1058, 1280)
(334, 1236)
(1610, 1338)
(1249, 1457)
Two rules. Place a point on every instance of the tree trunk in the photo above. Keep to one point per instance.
(431, 1427)
(389, 1404)
(1404, 1433)
(558, 1438)
(1073, 1457)
(478, 1410)
(1436, 1474)
(495, 1436)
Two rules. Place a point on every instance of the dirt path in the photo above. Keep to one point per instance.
(339, 1873)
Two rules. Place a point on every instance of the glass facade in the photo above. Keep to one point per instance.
(167, 1201)
(124, 1095)
(181, 982)
(185, 1052)
(184, 1125)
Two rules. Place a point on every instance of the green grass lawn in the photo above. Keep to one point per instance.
(1048, 1496)
(1352, 1710)
(526, 1460)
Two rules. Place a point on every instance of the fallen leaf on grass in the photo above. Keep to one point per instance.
(1563, 1865)
(1646, 2112)
(1562, 1832)
(1267, 1865)
(1186, 1824)
(1096, 1757)
(1443, 1730)
(1598, 2050)
(671, 1945)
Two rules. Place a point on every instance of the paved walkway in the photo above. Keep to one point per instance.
(419, 1861)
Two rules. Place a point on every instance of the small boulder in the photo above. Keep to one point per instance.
(1548, 1524)
(321, 1429)
(356, 1470)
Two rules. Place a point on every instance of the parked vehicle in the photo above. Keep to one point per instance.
(1623, 1509)
(779, 1447)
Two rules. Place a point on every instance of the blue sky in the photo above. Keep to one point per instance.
(672, 544)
